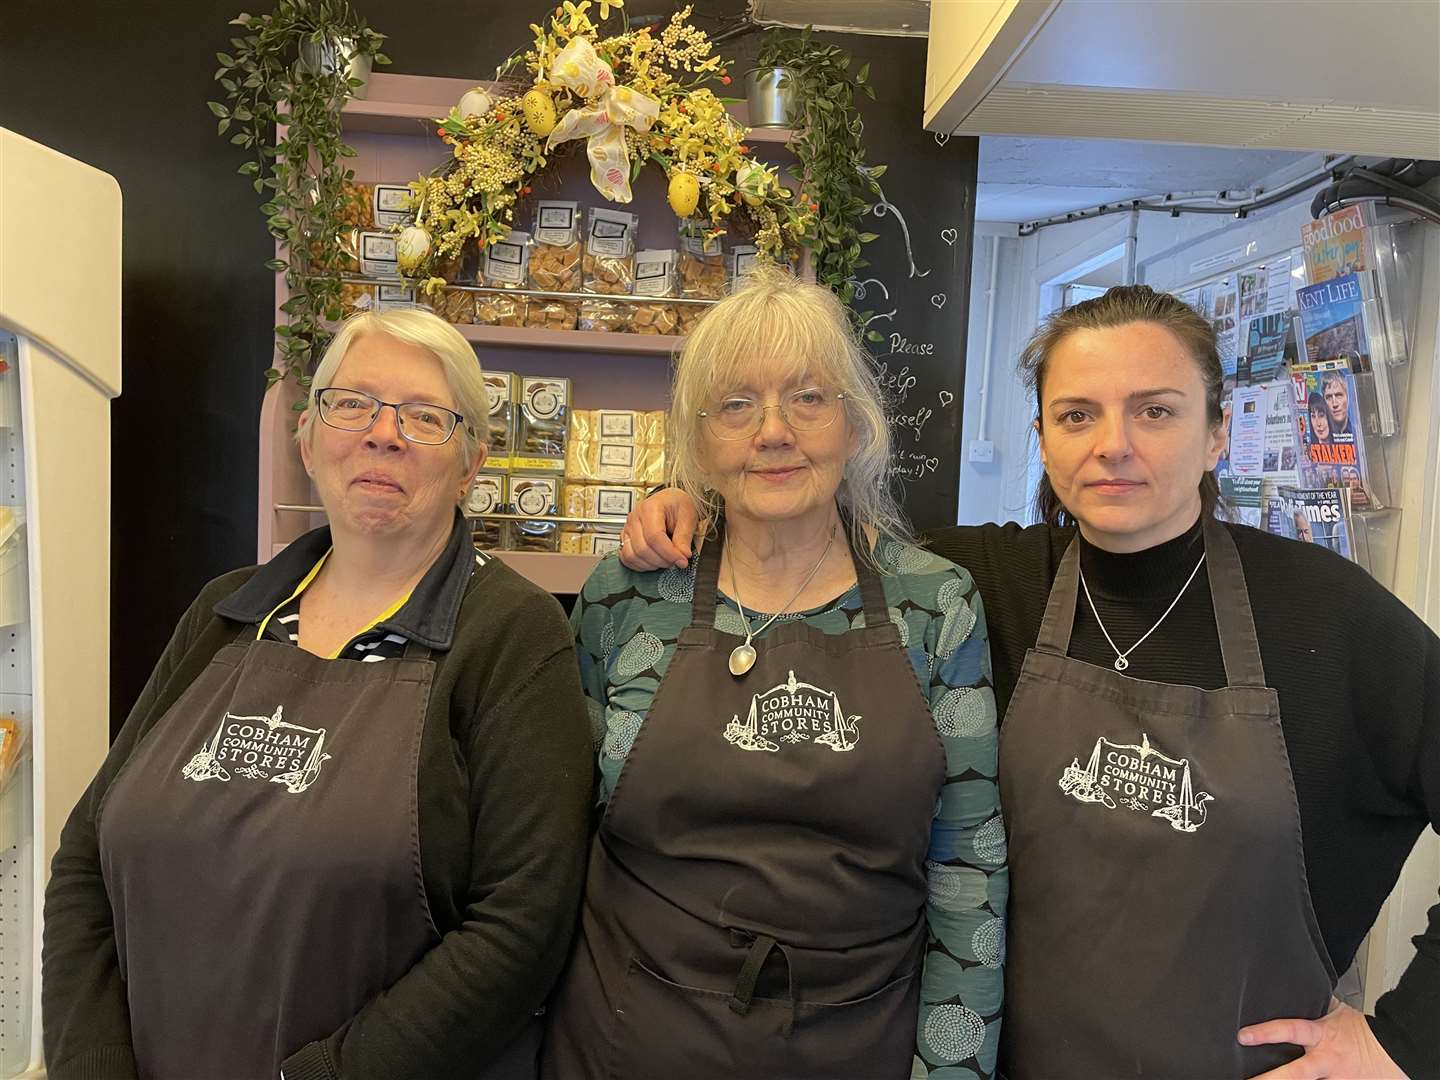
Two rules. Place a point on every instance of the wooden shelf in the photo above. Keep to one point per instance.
(391, 117)
(518, 337)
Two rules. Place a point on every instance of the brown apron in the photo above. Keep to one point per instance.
(1158, 899)
(261, 852)
(756, 892)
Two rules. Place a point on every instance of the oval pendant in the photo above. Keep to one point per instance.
(742, 659)
(1121, 663)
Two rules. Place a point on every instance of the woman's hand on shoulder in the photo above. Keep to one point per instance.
(658, 532)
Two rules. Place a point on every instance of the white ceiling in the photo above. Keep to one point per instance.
(1324, 75)
(1374, 52)
(1023, 179)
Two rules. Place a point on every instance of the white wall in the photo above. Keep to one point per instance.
(1032, 268)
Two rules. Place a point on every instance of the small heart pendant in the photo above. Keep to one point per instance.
(1121, 663)
(742, 659)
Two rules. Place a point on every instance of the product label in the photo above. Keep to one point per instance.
(555, 223)
(547, 464)
(617, 454)
(395, 296)
(614, 502)
(535, 496)
(497, 389)
(742, 259)
(488, 494)
(377, 255)
(545, 399)
(506, 260)
(392, 205)
(653, 273)
(611, 232)
(617, 424)
(603, 544)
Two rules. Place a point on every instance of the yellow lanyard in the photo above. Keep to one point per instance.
(305, 582)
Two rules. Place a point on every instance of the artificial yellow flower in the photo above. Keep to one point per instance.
(606, 5)
(576, 14)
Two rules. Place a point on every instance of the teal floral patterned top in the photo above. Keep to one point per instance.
(626, 625)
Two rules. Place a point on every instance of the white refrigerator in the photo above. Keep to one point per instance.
(59, 368)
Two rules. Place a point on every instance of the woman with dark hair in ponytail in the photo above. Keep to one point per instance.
(1208, 795)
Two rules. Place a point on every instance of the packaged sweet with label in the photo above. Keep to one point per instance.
(605, 316)
(614, 501)
(506, 262)
(701, 262)
(394, 297)
(377, 255)
(500, 389)
(392, 206)
(543, 417)
(453, 305)
(355, 298)
(555, 253)
(598, 462)
(608, 261)
(498, 309)
(549, 314)
(586, 541)
(739, 261)
(538, 498)
(487, 496)
(640, 426)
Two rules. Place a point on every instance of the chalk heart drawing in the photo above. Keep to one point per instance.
(938, 300)
(941, 138)
(949, 236)
(946, 397)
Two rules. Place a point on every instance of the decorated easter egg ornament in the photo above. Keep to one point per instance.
(684, 193)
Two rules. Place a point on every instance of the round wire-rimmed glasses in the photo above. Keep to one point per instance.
(354, 410)
(739, 416)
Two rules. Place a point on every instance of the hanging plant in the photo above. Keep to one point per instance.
(291, 67)
(828, 146)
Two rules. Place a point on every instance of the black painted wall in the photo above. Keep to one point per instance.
(123, 87)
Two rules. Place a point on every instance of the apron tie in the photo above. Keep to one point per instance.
(760, 948)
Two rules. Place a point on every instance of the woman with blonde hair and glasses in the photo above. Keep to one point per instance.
(342, 831)
(800, 870)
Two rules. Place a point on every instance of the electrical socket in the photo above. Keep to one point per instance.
(982, 451)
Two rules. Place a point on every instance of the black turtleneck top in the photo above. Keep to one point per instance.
(1358, 678)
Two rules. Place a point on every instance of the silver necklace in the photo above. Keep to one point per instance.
(1122, 658)
(742, 657)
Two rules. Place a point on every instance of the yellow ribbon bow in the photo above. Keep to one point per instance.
(610, 109)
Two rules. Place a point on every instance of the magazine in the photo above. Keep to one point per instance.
(1331, 438)
(1269, 343)
(1319, 516)
(1332, 317)
(1245, 497)
(1335, 245)
(1263, 440)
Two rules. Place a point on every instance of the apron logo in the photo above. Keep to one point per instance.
(261, 748)
(794, 712)
(1139, 778)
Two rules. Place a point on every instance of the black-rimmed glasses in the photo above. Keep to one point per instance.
(418, 421)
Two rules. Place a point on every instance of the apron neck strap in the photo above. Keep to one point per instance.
(1234, 620)
(707, 577)
(1059, 621)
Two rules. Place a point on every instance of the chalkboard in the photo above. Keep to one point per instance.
(917, 286)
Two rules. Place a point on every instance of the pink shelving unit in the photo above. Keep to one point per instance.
(393, 132)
